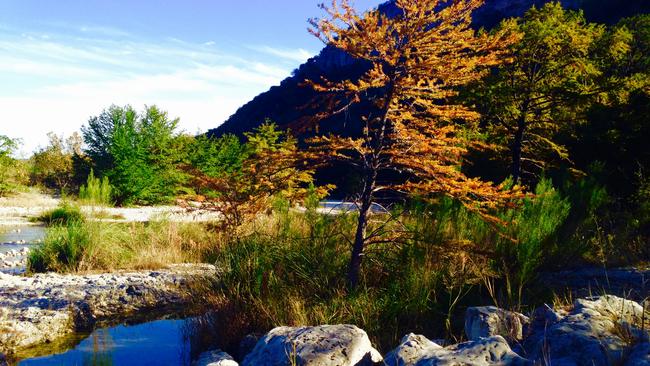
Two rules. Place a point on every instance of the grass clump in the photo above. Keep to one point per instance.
(426, 265)
(65, 214)
(64, 249)
(89, 246)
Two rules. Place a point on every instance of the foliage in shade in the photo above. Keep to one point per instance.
(411, 127)
(546, 89)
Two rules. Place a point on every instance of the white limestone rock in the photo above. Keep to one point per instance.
(324, 345)
(215, 358)
(488, 321)
(416, 350)
(412, 349)
(595, 332)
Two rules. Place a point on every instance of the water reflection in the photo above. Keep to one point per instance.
(163, 342)
(160, 342)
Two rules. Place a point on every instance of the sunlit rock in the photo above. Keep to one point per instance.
(325, 345)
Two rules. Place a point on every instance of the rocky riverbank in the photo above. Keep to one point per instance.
(14, 261)
(599, 331)
(47, 307)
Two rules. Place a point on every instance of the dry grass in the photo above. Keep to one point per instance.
(98, 246)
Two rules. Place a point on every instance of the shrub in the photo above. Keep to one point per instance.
(13, 172)
(62, 215)
(96, 191)
(63, 249)
(52, 166)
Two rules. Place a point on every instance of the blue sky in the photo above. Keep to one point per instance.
(63, 61)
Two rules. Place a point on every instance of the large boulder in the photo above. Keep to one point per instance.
(416, 350)
(599, 331)
(215, 358)
(488, 321)
(412, 349)
(325, 345)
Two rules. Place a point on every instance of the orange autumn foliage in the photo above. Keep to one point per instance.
(273, 167)
(417, 60)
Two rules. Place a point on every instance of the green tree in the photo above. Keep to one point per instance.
(7, 163)
(216, 156)
(52, 166)
(545, 90)
(613, 144)
(98, 135)
(268, 165)
(139, 153)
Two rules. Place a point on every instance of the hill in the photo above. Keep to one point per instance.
(286, 102)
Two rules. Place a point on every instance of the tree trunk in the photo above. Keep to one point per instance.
(516, 154)
(360, 235)
(517, 145)
(372, 167)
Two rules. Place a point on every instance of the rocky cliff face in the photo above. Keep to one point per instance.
(282, 103)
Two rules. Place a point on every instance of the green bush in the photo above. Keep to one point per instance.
(96, 191)
(13, 172)
(515, 251)
(62, 250)
(62, 215)
(534, 227)
(78, 246)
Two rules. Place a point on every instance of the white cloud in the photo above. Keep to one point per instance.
(56, 82)
(300, 55)
(103, 30)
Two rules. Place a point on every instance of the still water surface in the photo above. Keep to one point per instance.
(18, 237)
(162, 342)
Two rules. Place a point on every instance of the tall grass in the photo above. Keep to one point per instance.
(288, 268)
(63, 215)
(515, 251)
(80, 246)
(96, 191)
(64, 249)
